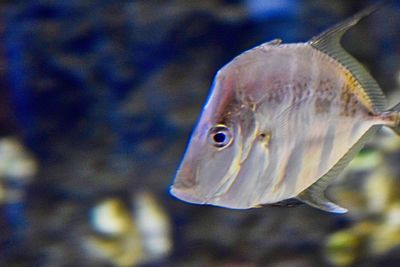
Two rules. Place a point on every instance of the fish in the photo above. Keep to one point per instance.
(281, 122)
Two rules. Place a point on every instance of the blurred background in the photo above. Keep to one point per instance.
(98, 99)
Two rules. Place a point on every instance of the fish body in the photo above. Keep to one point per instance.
(281, 122)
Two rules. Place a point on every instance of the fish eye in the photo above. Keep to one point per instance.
(219, 136)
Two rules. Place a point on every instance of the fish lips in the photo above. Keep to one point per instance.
(184, 186)
(191, 194)
(187, 194)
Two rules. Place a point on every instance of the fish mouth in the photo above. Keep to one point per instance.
(187, 194)
(191, 195)
(187, 189)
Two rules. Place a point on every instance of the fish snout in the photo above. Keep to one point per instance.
(187, 194)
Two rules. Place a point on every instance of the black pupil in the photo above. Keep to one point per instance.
(219, 137)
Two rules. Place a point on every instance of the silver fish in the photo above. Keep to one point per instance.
(281, 122)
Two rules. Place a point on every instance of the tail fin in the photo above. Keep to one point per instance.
(396, 111)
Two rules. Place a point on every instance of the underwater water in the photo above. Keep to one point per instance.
(98, 99)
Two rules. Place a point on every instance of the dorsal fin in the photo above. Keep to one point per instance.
(328, 42)
(274, 42)
(315, 194)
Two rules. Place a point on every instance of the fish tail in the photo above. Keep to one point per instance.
(395, 114)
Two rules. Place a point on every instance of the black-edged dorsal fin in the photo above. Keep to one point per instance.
(328, 42)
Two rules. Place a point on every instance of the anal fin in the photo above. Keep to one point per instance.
(315, 197)
(315, 194)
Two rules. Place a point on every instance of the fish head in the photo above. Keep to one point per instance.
(219, 145)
